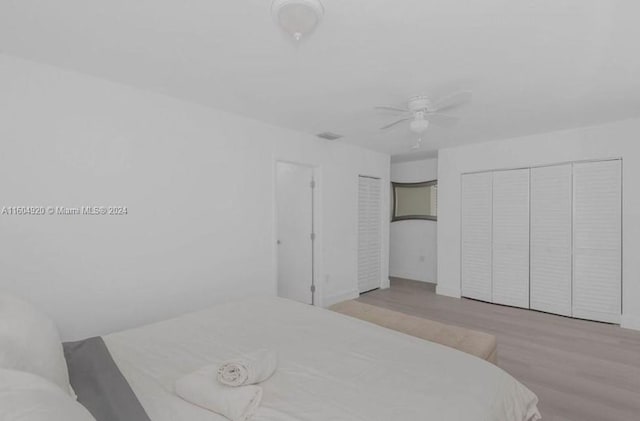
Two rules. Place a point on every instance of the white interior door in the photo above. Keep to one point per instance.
(551, 231)
(476, 235)
(510, 254)
(369, 233)
(597, 240)
(295, 224)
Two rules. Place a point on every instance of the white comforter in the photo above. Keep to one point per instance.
(332, 367)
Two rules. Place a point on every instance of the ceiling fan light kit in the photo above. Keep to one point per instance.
(298, 18)
(419, 124)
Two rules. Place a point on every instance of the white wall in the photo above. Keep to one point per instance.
(412, 248)
(199, 187)
(614, 140)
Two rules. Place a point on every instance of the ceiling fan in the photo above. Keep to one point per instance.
(422, 111)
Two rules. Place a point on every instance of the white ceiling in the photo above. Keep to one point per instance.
(533, 65)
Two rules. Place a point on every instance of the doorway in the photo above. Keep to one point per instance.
(295, 187)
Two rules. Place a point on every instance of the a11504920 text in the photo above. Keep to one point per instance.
(64, 210)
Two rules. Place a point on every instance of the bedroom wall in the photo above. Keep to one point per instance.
(199, 187)
(606, 141)
(412, 243)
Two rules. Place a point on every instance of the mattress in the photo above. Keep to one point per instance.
(332, 367)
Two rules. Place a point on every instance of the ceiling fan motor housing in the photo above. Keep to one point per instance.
(419, 103)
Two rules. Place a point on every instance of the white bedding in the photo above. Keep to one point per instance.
(332, 367)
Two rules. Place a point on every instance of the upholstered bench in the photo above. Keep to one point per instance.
(472, 342)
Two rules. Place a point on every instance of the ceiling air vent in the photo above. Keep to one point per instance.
(329, 136)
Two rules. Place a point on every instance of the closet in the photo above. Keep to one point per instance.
(510, 248)
(476, 235)
(369, 233)
(546, 238)
(597, 245)
(551, 234)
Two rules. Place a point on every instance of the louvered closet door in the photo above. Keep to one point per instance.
(476, 235)
(597, 234)
(369, 233)
(551, 239)
(511, 238)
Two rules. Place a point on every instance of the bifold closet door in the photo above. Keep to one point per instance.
(510, 265)
(369, 233)
(597, 245)
(551, 210)
(476, 235)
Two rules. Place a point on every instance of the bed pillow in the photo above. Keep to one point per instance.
(27, 397)
(29, 341)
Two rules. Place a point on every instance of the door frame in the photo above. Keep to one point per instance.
(316, 170)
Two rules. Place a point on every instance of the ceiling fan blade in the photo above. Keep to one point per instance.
(385, 108)
(453, 100)
(388, 126)
(441, 120)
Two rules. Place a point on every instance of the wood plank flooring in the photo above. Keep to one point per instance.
(580, 370)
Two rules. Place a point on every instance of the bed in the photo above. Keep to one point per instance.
(332, 367)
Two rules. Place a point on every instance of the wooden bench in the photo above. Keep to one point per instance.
(480, 344)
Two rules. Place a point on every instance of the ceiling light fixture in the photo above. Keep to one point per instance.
(298, 18)
(419, 124)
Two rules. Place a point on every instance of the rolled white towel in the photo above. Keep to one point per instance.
(201, 388)
(248, 369)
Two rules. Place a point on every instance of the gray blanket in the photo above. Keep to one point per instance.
(99, 384)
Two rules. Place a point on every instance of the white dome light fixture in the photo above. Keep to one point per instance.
(298, 18)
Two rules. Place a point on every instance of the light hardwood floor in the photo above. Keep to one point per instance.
(580, 370)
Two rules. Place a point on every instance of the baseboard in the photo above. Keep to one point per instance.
(449, 292)
(404, 278)
(343, 296)
(630, 322)
(429, 282)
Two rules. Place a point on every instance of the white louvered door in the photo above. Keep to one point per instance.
(510, 269)
(551, 231)
(369, 233)
(545, 238)
(476, 235)
(597, 248)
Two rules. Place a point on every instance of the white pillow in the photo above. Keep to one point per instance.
(27, 397)
(29, 341)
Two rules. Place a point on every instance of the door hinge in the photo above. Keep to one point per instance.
(313, 288)
(313, 184)
(313, 236)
